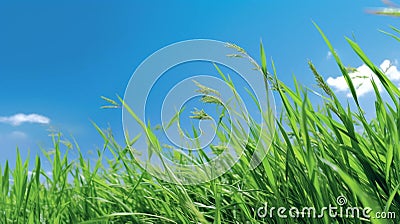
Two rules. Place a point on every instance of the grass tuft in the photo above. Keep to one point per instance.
(317, 155)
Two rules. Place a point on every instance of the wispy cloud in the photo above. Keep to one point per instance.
(18, 135)
(328, 55)
(19, 119)
(361, 78)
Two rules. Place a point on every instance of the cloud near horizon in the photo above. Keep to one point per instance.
(20, 118)
(362, 76)
(18, 135)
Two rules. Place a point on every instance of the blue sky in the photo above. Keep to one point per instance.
(57, 58)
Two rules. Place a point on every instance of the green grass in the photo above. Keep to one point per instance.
(317, 154)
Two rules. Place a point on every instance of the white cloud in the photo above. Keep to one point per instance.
(328, 55)
(18, 135)
(361, 78)
(19, 119)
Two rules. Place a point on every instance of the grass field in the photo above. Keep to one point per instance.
(318, 156)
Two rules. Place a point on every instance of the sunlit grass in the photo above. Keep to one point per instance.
(316, 156)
